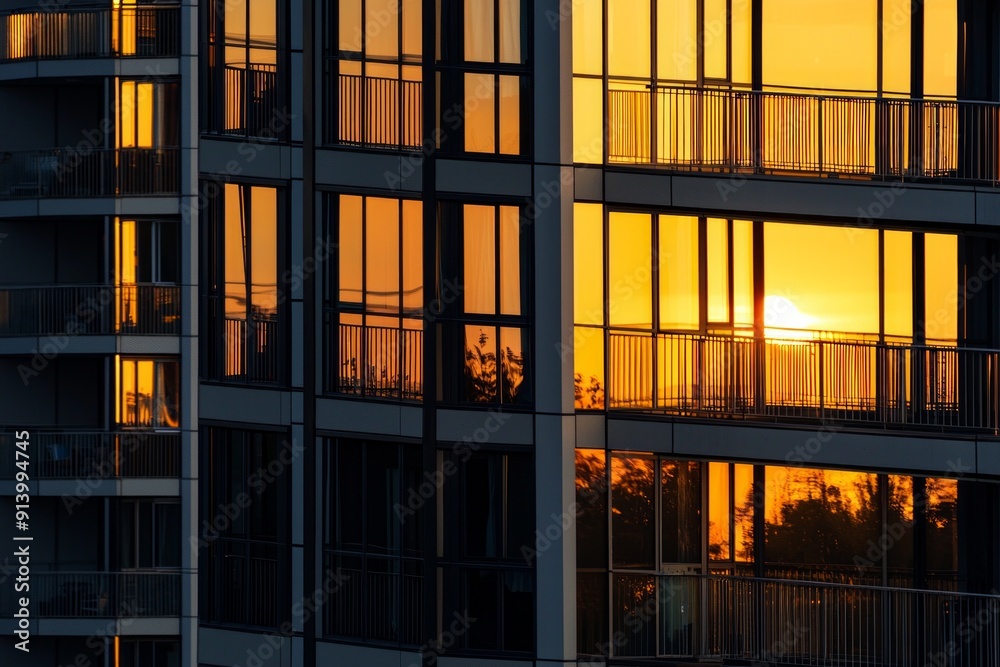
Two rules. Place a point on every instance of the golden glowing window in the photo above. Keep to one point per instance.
(148, 393)
(147, 114)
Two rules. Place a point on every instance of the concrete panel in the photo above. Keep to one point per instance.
(150, 487)
(240, 404)
(77, 68)
(357, 416)
(16, 71)
(988, 208)
(488, 178)
(22, 208)
(651, 189)
(328, 653)
(84, 488)
(988, 457)
(825, 447)
(228, 647)
(493, 426)
(134, 206)
(641, 436)
(590, 431)
(445, 661)
(589, 184)
(860, 201)
(60, 208)
(241, 158)
(411, 421)
(149, 345)
(147, 67)
(361, 169)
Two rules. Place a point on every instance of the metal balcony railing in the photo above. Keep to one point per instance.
(376, 112)
(377, 602)
(875, 384)
(103, 455)
(802, 622)
(97, 172)
(252, 349)
(380, 361)
(138, 31)
(247, 104)
(776, 132)
(90, 309)
(97, 595)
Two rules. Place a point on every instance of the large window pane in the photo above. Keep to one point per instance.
(941, 287)
(830, 45)
(718, 270)
(510, 115)
(510, 260)
(898, 284)
(588, 121)
(588, 37)
(588, 263)
(264, 260)
(896, 46)
(628, 38)
(677, 39)
(818, 521)
(940, 48)
(630, 290)
(413, 265)
(679, 302)
(719, 503)
(382, 254)
(479, 30)
(381, 34)
(510, 31)
(592, 518)
(350, 250)
(715, 39)
(480, 113)
(479, 258)
(681, 512)
(805, 294)
(632, 510)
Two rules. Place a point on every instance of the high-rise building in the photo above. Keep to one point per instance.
(499, 333)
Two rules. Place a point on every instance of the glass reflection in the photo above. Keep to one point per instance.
(632, 512)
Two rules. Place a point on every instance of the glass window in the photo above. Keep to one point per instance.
(941, 287)
(247, 234)
(680, 485)
(818, 521)
(149, 393)
(242, 79)
(679, 286)
(630, 291)
(376, 339)
(633, 543)
(821, 32)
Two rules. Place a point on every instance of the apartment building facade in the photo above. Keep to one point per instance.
(502, 332)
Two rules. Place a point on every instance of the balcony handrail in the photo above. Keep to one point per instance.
(876, 383)
(74, 454)
(133, 593)
(379, 361)
(801, 622)
(146, 30)
(374, 111)
(90, 309)
(770, 131)
(807, 92)
(89, 172)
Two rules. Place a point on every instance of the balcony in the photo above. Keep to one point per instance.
(251, 350)
(247, 103)
(860, 383)
(98, 595)
(381, 362)
(801, 622)
(100, 172)
(94, 455)
(770, 132)
(376, 112)
(90, 310)
(137, 31)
